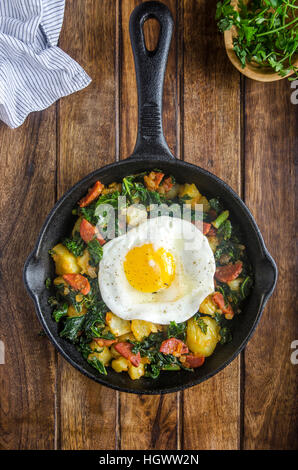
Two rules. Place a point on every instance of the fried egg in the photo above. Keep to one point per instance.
(159, 271)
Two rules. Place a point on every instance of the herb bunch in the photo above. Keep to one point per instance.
(267, 32)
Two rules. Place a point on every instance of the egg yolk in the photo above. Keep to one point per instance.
(149, 270)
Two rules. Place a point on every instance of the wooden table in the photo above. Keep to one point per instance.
(243, 131)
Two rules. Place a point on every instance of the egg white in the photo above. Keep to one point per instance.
(193, 282)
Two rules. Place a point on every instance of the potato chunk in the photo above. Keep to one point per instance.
(213, 243)
(71, 311)
(83, 262)
(120, 364)
(192, 192)
(208, 306)
(117, 326)
(199, 342)
(76, 227)
(136, 373)
(135, 215)
(142, 328)
(104, 355)
(65, 261)
(206, 205)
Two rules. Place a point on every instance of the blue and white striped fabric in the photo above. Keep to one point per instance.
(34, 72)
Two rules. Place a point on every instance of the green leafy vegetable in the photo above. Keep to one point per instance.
(75, 244)
(266, 33)
(71, 329)
(215, 205)
(48, 283)
(177, 330)
(245, 287)
(97, 364)
(95, 252)
(60, 312)
(202, 325)
(225, 230)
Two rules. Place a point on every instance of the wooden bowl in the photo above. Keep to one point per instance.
(253, 71)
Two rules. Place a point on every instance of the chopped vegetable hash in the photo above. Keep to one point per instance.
(139, 347)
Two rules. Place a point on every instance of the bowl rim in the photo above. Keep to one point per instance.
(261, 74)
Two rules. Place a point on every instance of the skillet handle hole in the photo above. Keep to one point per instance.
(151, 29)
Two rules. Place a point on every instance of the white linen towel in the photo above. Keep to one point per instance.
(34, 72)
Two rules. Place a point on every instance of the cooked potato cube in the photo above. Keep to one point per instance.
(65, 261)
(142, 328)
(58, 281)
(213, 243)
(112, 188)
(206, 205)
(173, 192)
(135, 215)
(104, 355)
(128, 336)
(208, 306)
(117, 325)
(235, 284)
(83, 262)
(120, 364)
(192, 192)
(71, 311)
(136, 373)
(199, 342)
(114, 353)
(76, 227)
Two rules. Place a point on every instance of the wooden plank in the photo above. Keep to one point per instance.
(146, 422)
(28, 157)
(270, 420)
(211, 121)
(86, 142)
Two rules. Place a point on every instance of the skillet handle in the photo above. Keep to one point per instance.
(150, 70)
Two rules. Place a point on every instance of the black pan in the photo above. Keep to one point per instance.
(151, 151)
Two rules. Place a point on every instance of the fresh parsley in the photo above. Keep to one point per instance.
(266, 33)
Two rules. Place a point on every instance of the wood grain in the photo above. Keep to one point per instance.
(86, 142)
(145, 422)
(27, 192)
(270, 415)
(243, 131)
(211, 137)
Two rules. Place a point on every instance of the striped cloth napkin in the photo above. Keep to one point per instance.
(34, 72)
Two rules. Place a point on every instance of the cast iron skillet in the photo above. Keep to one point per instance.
(151, 151)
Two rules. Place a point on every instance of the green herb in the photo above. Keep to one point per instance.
(225, 332)
(225, 335)
(215, 205)
(95, 252)
(97, 364)
(75, 244)
(136, 191)
(60, 312)
(48, 283)
(88, 213)
(72, 327)
(202, 325)
(52, 301)
(177, 330)
(227, 247)
(225, 230)
(266, 33)
(245, 287)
